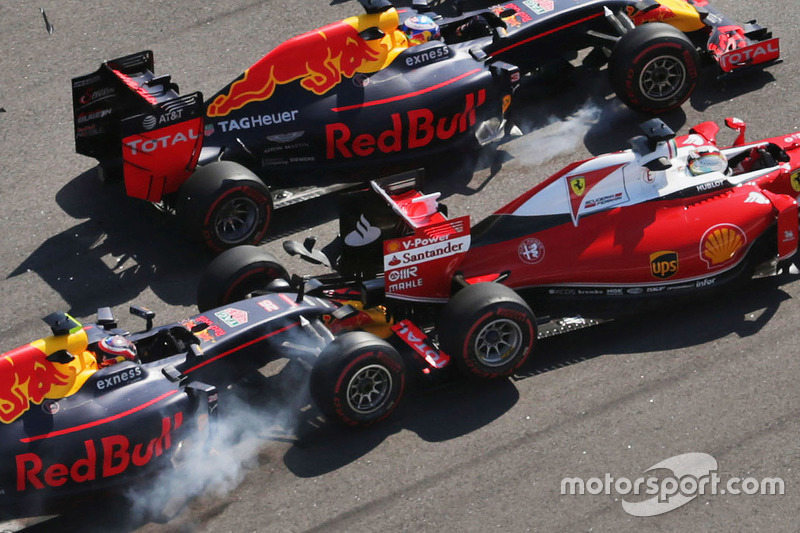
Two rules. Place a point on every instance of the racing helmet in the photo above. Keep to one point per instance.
(115, 349)
(420, 29)
(707, 160)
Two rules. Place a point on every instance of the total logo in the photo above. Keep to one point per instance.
(151, 145)
(755, 54)
(416, 128)
(419, 342)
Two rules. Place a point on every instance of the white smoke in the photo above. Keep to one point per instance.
(557, 137)
(215, 461)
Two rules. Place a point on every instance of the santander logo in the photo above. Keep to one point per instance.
(364, 234)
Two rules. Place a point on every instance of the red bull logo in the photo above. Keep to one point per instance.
(26, 376)
(414, 129)
(659, 14)
(319, 59)
(103, 458)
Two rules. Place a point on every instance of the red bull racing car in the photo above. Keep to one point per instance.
(384, 87)
(93, 408)
(669, 219)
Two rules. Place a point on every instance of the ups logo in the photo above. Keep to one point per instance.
(664, 264)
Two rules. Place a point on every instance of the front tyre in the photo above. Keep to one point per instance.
(224, 205)
(654, 68)
(488, 329)
(235, 274)
(358, 379)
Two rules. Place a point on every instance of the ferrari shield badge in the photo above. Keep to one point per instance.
(578, 185)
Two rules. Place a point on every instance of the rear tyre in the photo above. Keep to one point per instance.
(654, 68)
(224, 205)
(235, 274)
(358, 379)
(488, 329)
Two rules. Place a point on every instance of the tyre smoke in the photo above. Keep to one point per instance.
(215, 461)
(558, 136)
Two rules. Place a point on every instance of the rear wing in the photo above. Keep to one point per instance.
(405, 235)
(123, 112)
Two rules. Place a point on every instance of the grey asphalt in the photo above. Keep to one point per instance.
(718, 377)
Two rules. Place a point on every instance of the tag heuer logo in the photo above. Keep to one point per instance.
(578, 185)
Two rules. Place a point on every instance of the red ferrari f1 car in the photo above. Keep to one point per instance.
(94, 408)
(362, 93)
(670, 218)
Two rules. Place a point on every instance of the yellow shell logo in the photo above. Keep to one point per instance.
(721, 243)
(392, 246)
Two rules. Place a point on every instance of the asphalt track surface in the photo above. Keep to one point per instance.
(718, 377)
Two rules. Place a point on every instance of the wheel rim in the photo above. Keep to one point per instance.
(662, 77)
(498, 342)
(236, 220)
(369, 388)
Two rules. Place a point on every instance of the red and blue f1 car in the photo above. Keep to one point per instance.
(73, 426)
(670, 218)
(356, 93)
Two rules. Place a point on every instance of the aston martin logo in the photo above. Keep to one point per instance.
(578, 185)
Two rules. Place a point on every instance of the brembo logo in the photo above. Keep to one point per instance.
(414, 129)
(104, 458)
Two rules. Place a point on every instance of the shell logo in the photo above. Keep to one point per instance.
(721, 243)
(392, 246)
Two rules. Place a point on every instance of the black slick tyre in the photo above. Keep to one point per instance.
(488, 329)
(224, 204)
(654, 68)
(358, 379)
(235, 274)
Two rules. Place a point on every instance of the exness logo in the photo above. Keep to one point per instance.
(691, 475)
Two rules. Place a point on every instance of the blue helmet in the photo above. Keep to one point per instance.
(420, 29)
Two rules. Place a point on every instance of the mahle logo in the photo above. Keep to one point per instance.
(664, 264)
